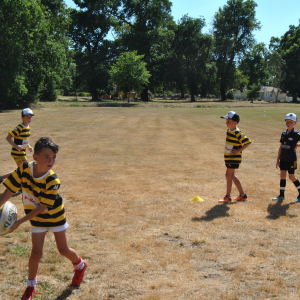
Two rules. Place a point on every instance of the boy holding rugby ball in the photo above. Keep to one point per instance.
(44, 208)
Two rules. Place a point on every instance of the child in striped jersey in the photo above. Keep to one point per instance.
(19, 140)
(236, 142)
(21, 135)
(44, 209)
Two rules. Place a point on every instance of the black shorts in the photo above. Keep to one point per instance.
(232, 166)
(289, 166)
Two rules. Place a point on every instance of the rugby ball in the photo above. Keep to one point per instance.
(8, 217)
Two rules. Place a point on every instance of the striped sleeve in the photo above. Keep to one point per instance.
(13, 182)
(242, 138)
(50, 194)
(16, 131)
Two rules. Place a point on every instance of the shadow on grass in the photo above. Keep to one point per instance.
(106, 104)
(82, 100)
(278, 210)
(67, 292)
(218, 211)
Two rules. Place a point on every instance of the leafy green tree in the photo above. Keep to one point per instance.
(130, 70)
(253, 65)
(241, 81)
(233, 27)
(54, 47)
(145, 27)
(277, 71)
(288, 46)
(33, 49)
(253, 92)
(91, 24)
(192, 54)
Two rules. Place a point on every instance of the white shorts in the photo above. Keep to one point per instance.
(49, 229)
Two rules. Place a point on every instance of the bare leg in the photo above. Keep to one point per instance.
(63, 247)
(20, 163)
(36, 253)
(292, 177)
(229, 178)
(283, 174)
(238, 185)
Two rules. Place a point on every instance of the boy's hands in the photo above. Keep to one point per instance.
(277, 164)
(15, 226)
(19, 147)
(30, 148)
(239, 150)
(235, 151)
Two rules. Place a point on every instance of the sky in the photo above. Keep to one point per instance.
(275, 16)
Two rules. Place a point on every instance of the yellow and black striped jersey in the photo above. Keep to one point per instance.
(42, 190)
(21, 136)
(234, 140)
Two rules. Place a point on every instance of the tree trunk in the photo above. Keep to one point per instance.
(128, 100)
(294, 96)
(223, 91)
(144, 95)
(94, 96)
(182, 94)
(193, 97)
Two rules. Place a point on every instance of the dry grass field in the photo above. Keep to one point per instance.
(127, 177)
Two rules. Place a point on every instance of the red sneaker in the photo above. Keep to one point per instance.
(78, 276)
(29, 292)
(241, 198)
(225, 199)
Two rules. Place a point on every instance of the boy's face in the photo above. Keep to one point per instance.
(26, 120)
(45, 160)
(231, 124)
(290, 124)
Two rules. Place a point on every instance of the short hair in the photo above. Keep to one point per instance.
(45, 142)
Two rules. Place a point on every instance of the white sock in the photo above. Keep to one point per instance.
(31, 283)
(80, 265)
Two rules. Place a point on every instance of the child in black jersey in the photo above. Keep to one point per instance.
(287, 158)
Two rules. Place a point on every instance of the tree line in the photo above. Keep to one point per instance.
(104, 45)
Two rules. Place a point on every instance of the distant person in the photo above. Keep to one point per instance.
(44, 208)
(287, 158)
(235, 143)
(19, 139)
(21, 135)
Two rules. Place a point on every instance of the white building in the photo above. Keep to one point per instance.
(267, 93)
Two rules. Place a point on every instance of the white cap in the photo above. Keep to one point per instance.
(27, 111)
(291, 116)
(232, 115)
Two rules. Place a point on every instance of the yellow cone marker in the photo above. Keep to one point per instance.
(197, 199)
